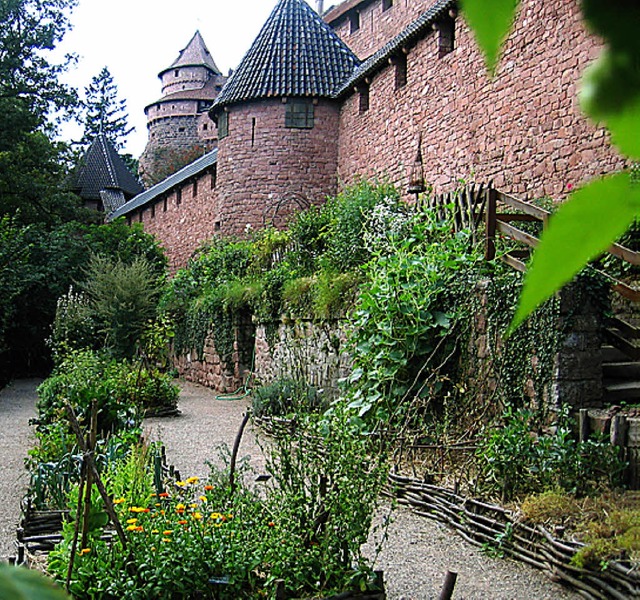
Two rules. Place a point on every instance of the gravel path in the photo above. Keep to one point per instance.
(415, 557)
(17, 406)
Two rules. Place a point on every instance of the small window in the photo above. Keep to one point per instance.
(164, 204)
(195, 188)
(223, 125)
(153, 211)
(214, 176)
(401, 70)
(364, 99)
(179, 197)
(446, 37)
(181, 129)
(299, 114)
(354, 21)
(386, 4)
(205, 127)
(217, 226)
(176, 73)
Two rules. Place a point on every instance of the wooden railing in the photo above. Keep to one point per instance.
(474, 205)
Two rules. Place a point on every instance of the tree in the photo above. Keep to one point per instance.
(31, 97)
(601, 211)
(104, 111)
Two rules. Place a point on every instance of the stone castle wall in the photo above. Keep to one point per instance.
(523, 130)
(377, 26)
(267, 171)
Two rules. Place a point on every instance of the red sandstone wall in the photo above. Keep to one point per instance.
(523, 130)
(182, 228)
(267, 171)
(377, 27)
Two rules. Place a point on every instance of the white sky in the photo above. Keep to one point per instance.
(136, 39)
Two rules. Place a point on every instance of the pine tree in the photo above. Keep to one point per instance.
(104, 111)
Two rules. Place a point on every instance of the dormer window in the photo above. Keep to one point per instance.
(299, 114)
(354, 21)
(400, 61)
(223, 125)
(446, 36)
(386, 4)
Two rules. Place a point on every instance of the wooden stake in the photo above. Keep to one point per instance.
(234, 453)
(449, 584)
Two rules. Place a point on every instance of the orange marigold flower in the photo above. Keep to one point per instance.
(182, 522)
(139, 528)
(152, 495)
(208, 488)
(119, 501)
(180, 506)
(163, 495)
(84, 551)
(131, 521)
(167, 532)
(271, 524)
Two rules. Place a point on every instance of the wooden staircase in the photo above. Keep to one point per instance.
(621, 362)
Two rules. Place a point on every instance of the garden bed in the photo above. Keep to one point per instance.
(501, 531)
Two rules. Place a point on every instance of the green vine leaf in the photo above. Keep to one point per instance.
(491, 21)
(610, 94)
(21, 584)
(582, 229)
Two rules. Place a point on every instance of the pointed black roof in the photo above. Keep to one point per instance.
(295, 54)
(194, 54)
(102, 169)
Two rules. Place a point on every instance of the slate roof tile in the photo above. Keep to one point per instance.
(101, 169)
(295, 54)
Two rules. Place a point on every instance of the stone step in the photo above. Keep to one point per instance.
(611, 354)
(616, 338)
(621, 370)
(617, 391)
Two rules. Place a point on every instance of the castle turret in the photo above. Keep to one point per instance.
(278, 120)
(179, 127)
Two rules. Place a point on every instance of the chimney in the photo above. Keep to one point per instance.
(320, 7)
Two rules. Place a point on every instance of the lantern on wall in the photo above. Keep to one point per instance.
(416, 177)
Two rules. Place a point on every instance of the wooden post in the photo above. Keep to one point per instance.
(234, 453)
(91, 443)
(280, 593)
(585, 425)
(449, 584)
(490, 225)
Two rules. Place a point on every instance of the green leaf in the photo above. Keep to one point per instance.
(17, 583)
(491, 21)
(610, 93)
(582, 229)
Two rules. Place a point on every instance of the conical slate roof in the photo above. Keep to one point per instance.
(295, 54)
(195, 54)
(102, 169)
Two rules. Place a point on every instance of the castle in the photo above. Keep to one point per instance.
(319, 101)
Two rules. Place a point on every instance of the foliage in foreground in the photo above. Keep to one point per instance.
(307, 528)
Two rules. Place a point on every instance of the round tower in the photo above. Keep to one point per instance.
(179, 126)
(278, 121)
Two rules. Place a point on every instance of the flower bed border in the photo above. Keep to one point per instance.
(483, 524)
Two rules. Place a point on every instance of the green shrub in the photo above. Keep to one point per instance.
(286, 397)
(516, 460)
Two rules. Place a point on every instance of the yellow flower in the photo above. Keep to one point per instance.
(154, 531)
(84, 551)
(131, 527)
(180, 506)
(181, 483)
(193, 480)
(197, 516)
(215, 516)
(166, 540)
(118, 501)
(131, 521)
(203, 498)
(194, 505)
(138, 509)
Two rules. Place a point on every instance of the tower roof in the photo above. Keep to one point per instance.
(295, 54)
(100, 170)
(195, 54)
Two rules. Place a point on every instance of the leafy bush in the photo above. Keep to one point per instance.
(122, 391)
(286, 397)
(406, 322)
(516, 460)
